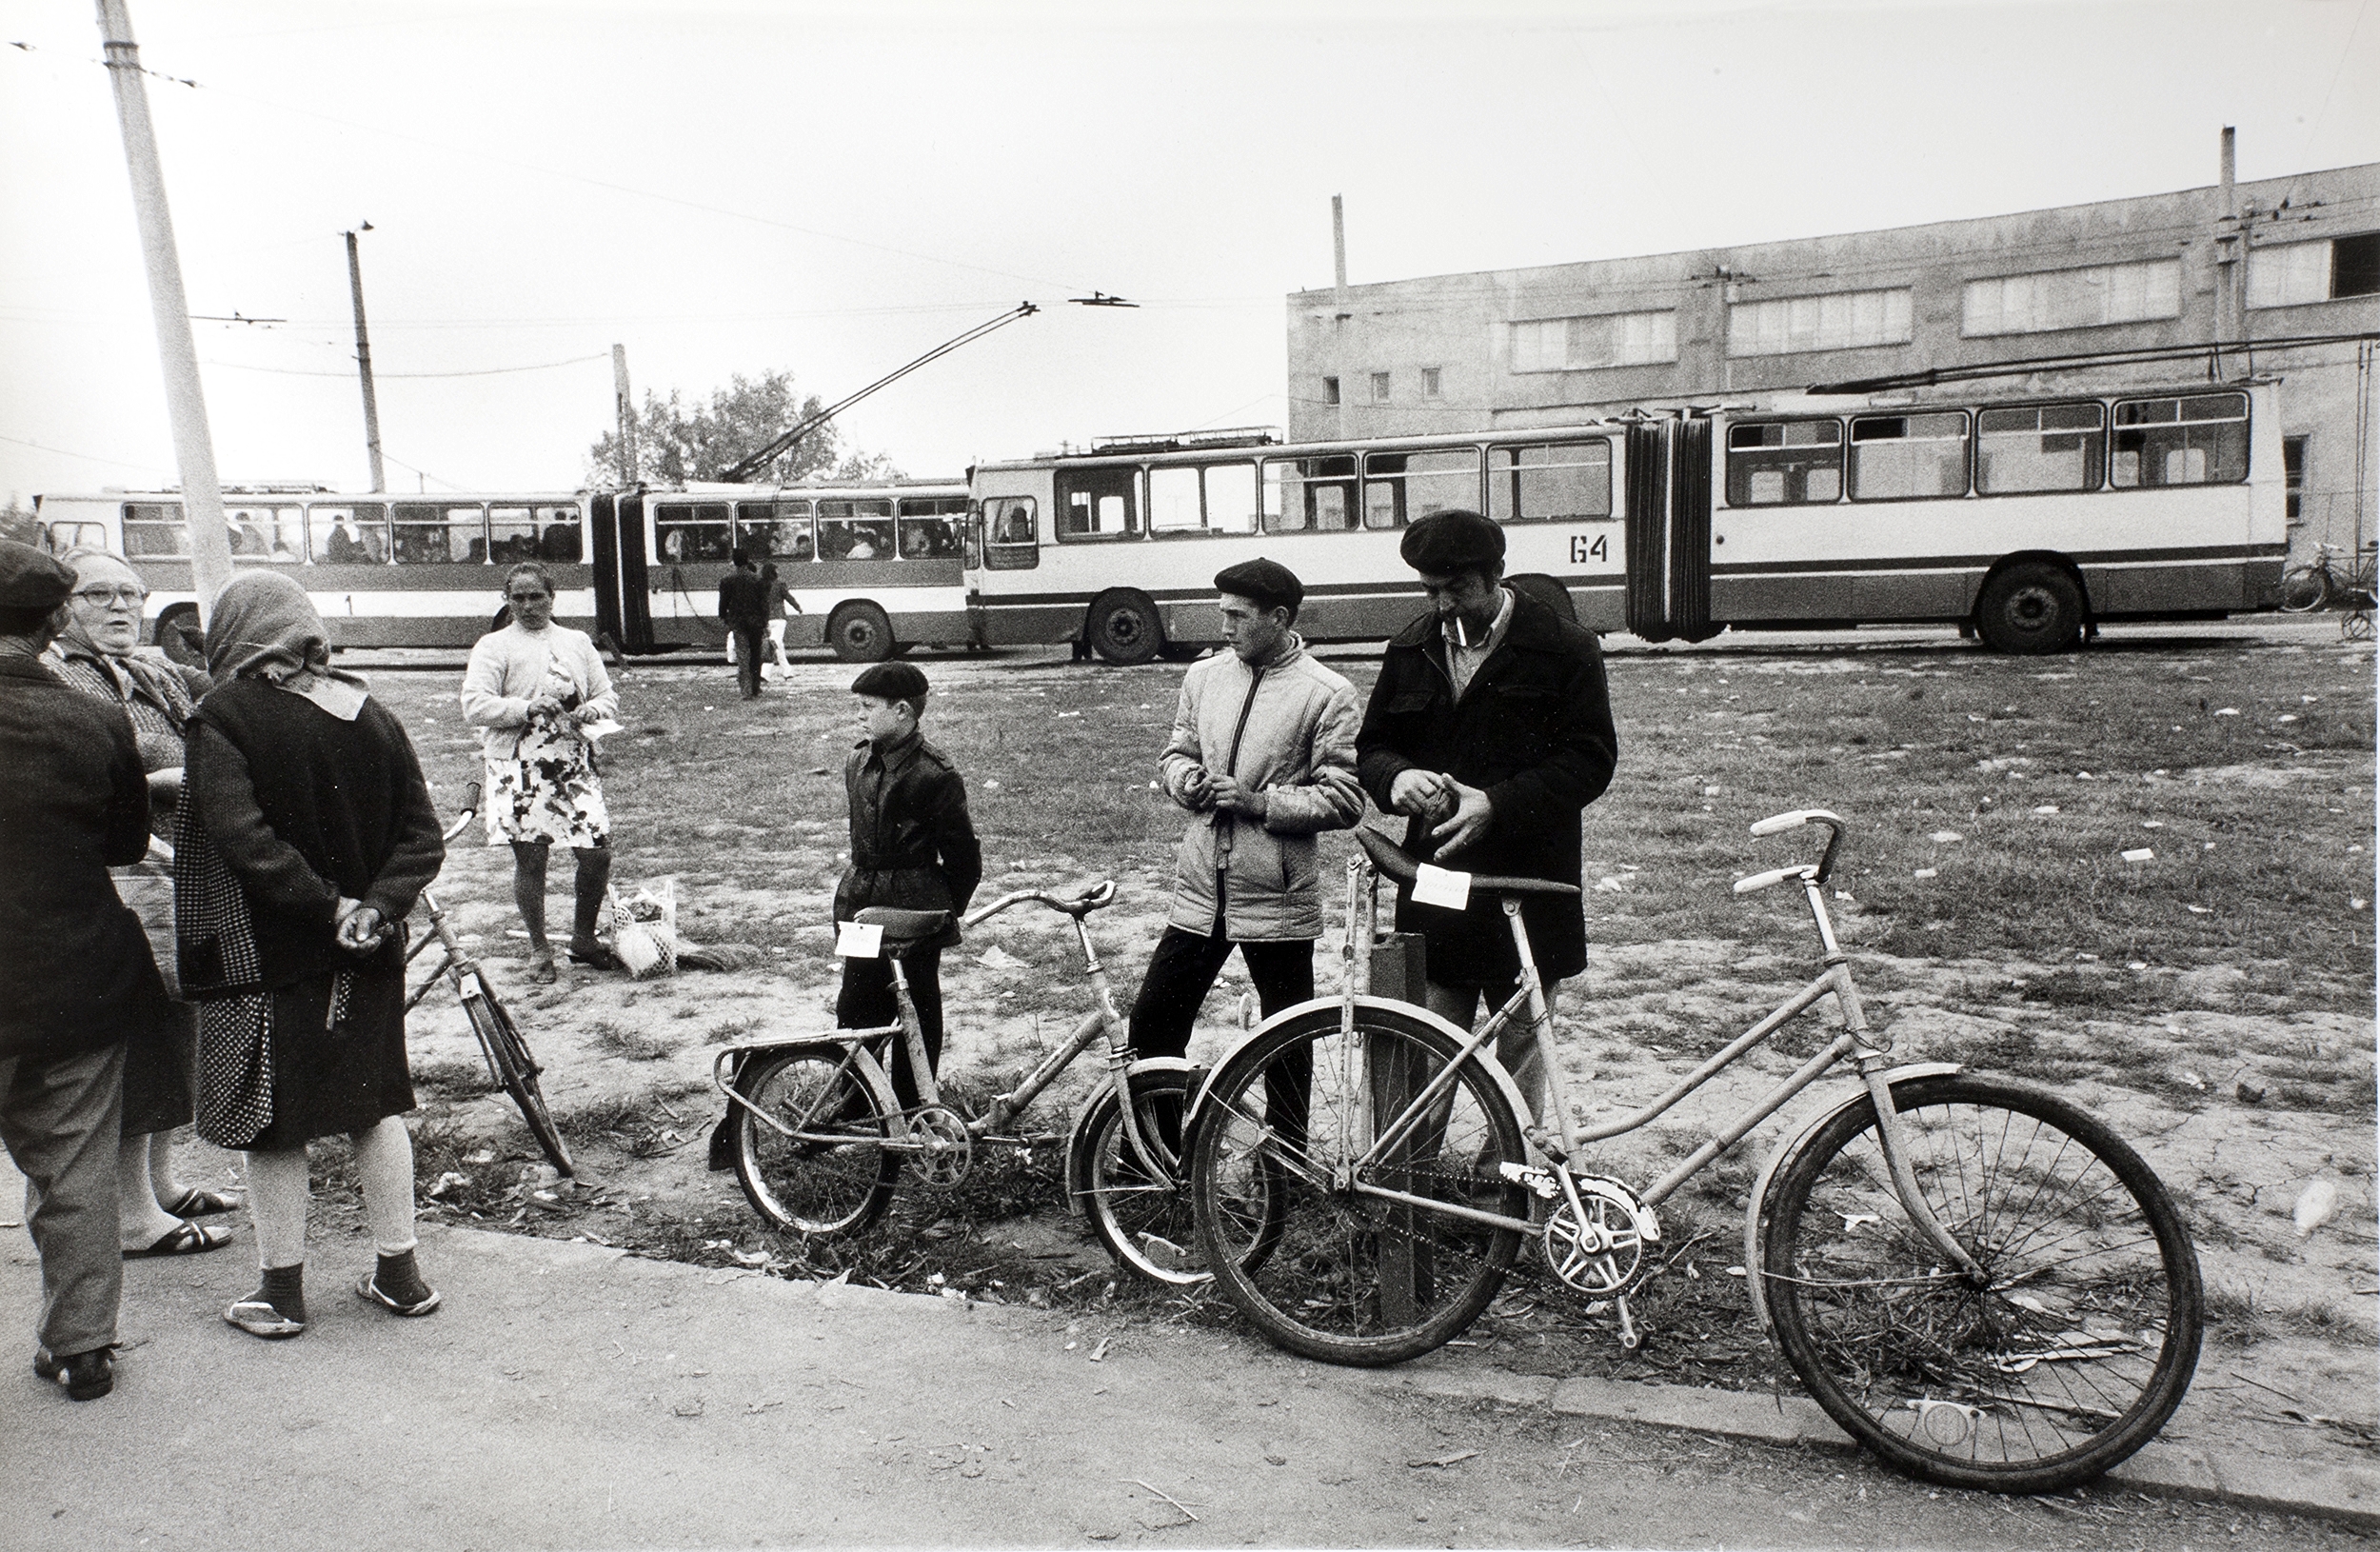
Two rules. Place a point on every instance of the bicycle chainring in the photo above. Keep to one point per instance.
(945, 1150)
(1603, 1253)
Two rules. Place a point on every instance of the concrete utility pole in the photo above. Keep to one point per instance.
(363, 363)
(1338, 302)
(186, 404)
(626, 407)
(2230, 249)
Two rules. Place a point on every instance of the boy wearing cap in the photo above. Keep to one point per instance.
(1263, 757)
(1491, 727)
(912, 847)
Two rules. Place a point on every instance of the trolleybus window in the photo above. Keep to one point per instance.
(691, 531)
(512, 535)
(61, 536)
(350, 535)
(2201, 439)
(854, 530)
(1558, 482)
(2049, 446)
(1310, 495)
(434, 535)
(1098, 503)
(776, 530)
(1211, 498)
(267, 533)
(560, 536)
(1400, 487)
(1784, 463)
(1230, 505)
(1907, 457)
(154, 529)
(1173, 504)
(929, 526)
(1012, 535)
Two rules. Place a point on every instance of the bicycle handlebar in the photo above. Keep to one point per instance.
(1097, 897)
(1778, 824)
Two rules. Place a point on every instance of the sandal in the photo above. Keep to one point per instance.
(542, 970)
(198, 1202)
(595, 957)
(370, 1289)
(260, 1318)
(183, 1238)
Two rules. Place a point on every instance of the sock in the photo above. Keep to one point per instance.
(283, 1287)
(397, 1277)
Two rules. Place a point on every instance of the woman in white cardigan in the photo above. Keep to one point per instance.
(533, 688)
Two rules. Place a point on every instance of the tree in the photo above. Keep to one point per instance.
(17, 523)
(675, 443)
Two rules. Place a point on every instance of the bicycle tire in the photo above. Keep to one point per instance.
(1140, 1208)
(2041, 1381)
(1343, 1278)
(840, 1186)
(517, 1070)
(2305, 589)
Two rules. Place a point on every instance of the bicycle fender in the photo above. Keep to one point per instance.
(1413, 1011)
(727, 1079)
(1077, 1135)
(1755, 1222)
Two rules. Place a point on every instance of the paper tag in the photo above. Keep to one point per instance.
(1442, 886)
(601, 728)
(859, 940)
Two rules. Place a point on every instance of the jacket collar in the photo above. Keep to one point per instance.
(16, 666)
(1535, 628)
(891, 757)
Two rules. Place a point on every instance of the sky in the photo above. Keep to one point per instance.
(833, 189)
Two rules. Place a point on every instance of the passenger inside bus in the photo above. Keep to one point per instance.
(561, 542)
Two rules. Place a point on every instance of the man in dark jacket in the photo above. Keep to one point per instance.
(744, 604)
(76, 975)
(1491, 727)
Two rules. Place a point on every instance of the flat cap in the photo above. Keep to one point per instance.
(1453, 540)
(890, 681)
(29, 578)
(1269, 584)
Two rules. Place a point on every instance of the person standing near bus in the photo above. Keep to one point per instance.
(1491, 727)
(780, 602)
(744, 605)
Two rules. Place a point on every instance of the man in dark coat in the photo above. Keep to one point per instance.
(1491, 727)
(744, 604)
(76, 975)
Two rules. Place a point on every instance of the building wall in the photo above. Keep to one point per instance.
(2177, 254)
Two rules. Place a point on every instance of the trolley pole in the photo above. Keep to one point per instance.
(626, 409)
(363, 363)
(186, 402)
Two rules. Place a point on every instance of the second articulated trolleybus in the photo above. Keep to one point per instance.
(2028, 518)
(873, 568)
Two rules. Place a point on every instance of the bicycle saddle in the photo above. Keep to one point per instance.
(1401, 865)
(904, 925)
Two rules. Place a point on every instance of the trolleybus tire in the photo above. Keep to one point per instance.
(179, 638)
(2030, 608)
(1122, 628)
(860, 632)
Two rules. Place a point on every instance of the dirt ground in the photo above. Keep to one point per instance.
(2232, 1041)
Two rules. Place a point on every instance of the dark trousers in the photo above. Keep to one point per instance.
(867, 1002)
(1180, 973)
(61, 1118)
(750, 634)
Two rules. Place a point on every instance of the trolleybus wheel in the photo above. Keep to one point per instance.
(2030, 609)
(859, 633)
(1123, 628)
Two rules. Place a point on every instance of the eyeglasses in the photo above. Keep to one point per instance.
(102, 597)
(528, 597)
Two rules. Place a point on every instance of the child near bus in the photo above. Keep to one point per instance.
(912, 847)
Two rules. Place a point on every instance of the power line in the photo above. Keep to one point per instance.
(488, 372)
(87, 457)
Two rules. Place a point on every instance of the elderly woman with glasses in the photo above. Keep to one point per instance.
(533, 690)
(98, 652)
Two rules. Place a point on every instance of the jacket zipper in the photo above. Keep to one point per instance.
(1231, 768)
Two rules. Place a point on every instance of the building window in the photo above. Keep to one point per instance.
(2049, 446)
(1784, 463)
(1329, 390)
(2200, 439)
(2290, 274)
(2089, 298)
(1430, 383)
(1611, 339)
(1379, 388)
(1907, 457)
(1847, 320)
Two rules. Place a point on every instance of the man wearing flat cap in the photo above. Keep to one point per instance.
(1263, 757)
(76, 975)
(1491, 727)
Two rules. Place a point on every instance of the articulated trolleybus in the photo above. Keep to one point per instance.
(873, 568)
(2028, 519)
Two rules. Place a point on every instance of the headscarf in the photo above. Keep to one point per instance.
(266, 627)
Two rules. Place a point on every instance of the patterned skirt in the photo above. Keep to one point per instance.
(549, 792)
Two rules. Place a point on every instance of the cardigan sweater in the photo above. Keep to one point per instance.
(510, 667)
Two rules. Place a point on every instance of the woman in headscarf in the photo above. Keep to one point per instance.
(532, 689)
(306, 833)
(98, 653)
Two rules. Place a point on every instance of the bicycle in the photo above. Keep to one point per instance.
(1975, 1279)
(2325, 582)
(510, 1066)
(820, 1134)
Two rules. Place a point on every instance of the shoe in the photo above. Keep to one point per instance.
(183, 1238)
(595, 957)
(542, 967)
(200, 1203)
(258, 1318)
(370, 1289)
(86, 1376)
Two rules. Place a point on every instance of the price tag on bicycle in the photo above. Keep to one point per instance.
(859, 940)
(1442, 886)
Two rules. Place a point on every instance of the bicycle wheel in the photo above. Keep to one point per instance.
(1140, 1206)
(2070, 1359)
(1337, 1274)
(517, 1070)
(2305, 589)
(837, 1175)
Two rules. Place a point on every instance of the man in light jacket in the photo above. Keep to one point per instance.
(1264, 756)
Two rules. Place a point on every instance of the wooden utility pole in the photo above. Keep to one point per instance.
(626, 407)
(186, 404)
(363, 363)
